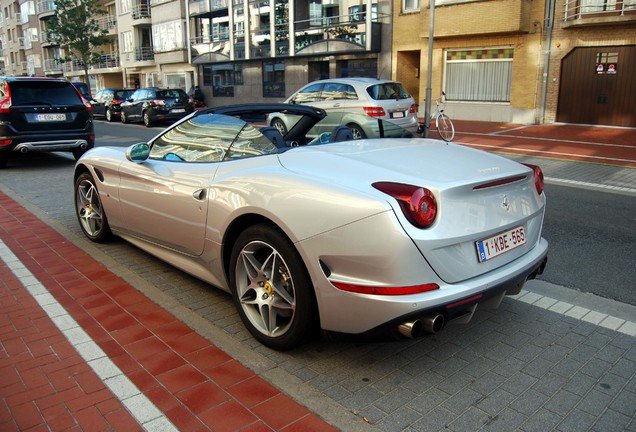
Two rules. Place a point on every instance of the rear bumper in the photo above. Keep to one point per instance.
(48, 142)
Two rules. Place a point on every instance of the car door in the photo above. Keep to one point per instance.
(98, 103)
(165, 198)
(139, 99)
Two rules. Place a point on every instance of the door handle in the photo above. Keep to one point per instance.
(199, 194)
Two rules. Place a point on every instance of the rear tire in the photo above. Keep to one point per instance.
(109, 115)
(147, 120)
(271, 288)
(445, 127)
(89, 210)
(357, 131)
(3, 160)
(124, 118)
(278, 124)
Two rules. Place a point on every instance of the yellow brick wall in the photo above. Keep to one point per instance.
(474, 25)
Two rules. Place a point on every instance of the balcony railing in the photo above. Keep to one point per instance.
(583, 9)
(139, 54)
(52, 65)
(106, 61)
(141, 11)
(107, 22)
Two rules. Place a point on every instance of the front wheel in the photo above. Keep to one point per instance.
(109, 115)
(445, 127)
(271, 288)
(124, 117)
(89, 210)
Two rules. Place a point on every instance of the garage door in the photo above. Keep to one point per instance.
(598, 87)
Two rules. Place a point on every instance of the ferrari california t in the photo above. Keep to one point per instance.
(315, 230)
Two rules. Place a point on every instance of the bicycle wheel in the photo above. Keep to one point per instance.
(445, 127)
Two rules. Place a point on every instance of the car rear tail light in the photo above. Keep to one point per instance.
(5, 142)
(538, 177)
(366, 289)
(374, 111)
(5, 104)
(158, 102)
(87, 104)
(117, 101)
(418, 204)
(413, 109)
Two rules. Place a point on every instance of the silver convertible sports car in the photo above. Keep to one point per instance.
(319, 231)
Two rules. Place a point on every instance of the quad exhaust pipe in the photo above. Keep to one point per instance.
(24, 149)
(418, 327)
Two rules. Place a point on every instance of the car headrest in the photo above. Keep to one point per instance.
(274, 136)
(341, 133)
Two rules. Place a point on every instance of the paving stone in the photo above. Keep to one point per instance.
(495, 402)
(529, 402)
(563, 402)
(577, 421)
(506, 421)
(541, 421)
(436, 420)
(611, 420)
(398, 420)
(518, 383)
(580, 384)
(469, 421)
(594, 402)
(625, 403)
(428, 400)
(461, 400)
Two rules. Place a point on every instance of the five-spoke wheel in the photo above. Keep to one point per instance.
(271, 288)
(89, 210)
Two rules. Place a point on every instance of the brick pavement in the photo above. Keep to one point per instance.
(47, 384)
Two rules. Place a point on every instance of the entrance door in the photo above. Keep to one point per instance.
(597, 86)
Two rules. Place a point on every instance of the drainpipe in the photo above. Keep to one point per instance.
(429, 72)
(549, 25)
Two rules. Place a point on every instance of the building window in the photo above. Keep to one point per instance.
(479, 75)
(168, 36)
(410, 5)
(222, 78)
(606, 63)
(273, 79)
(126, 42)
(124, 6)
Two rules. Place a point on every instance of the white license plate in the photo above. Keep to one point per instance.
(397, 114)
(50, 117)
(178, 110)
(496, 245)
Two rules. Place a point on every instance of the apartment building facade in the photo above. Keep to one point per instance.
(234, 50)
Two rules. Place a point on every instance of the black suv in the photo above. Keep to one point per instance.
(43, 114)
(152, 105)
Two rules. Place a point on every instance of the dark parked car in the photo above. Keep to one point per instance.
(43, 114)
(153, 105)
(83, 88)
(107, 102)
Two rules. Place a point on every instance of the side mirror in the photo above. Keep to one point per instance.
(138, 153)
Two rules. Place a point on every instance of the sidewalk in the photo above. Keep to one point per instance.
(108, 358)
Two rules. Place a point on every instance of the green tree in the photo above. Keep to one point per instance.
(76, 29)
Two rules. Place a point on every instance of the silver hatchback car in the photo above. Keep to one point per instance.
(341, 97)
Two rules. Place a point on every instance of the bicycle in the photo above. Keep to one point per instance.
(443, 123)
